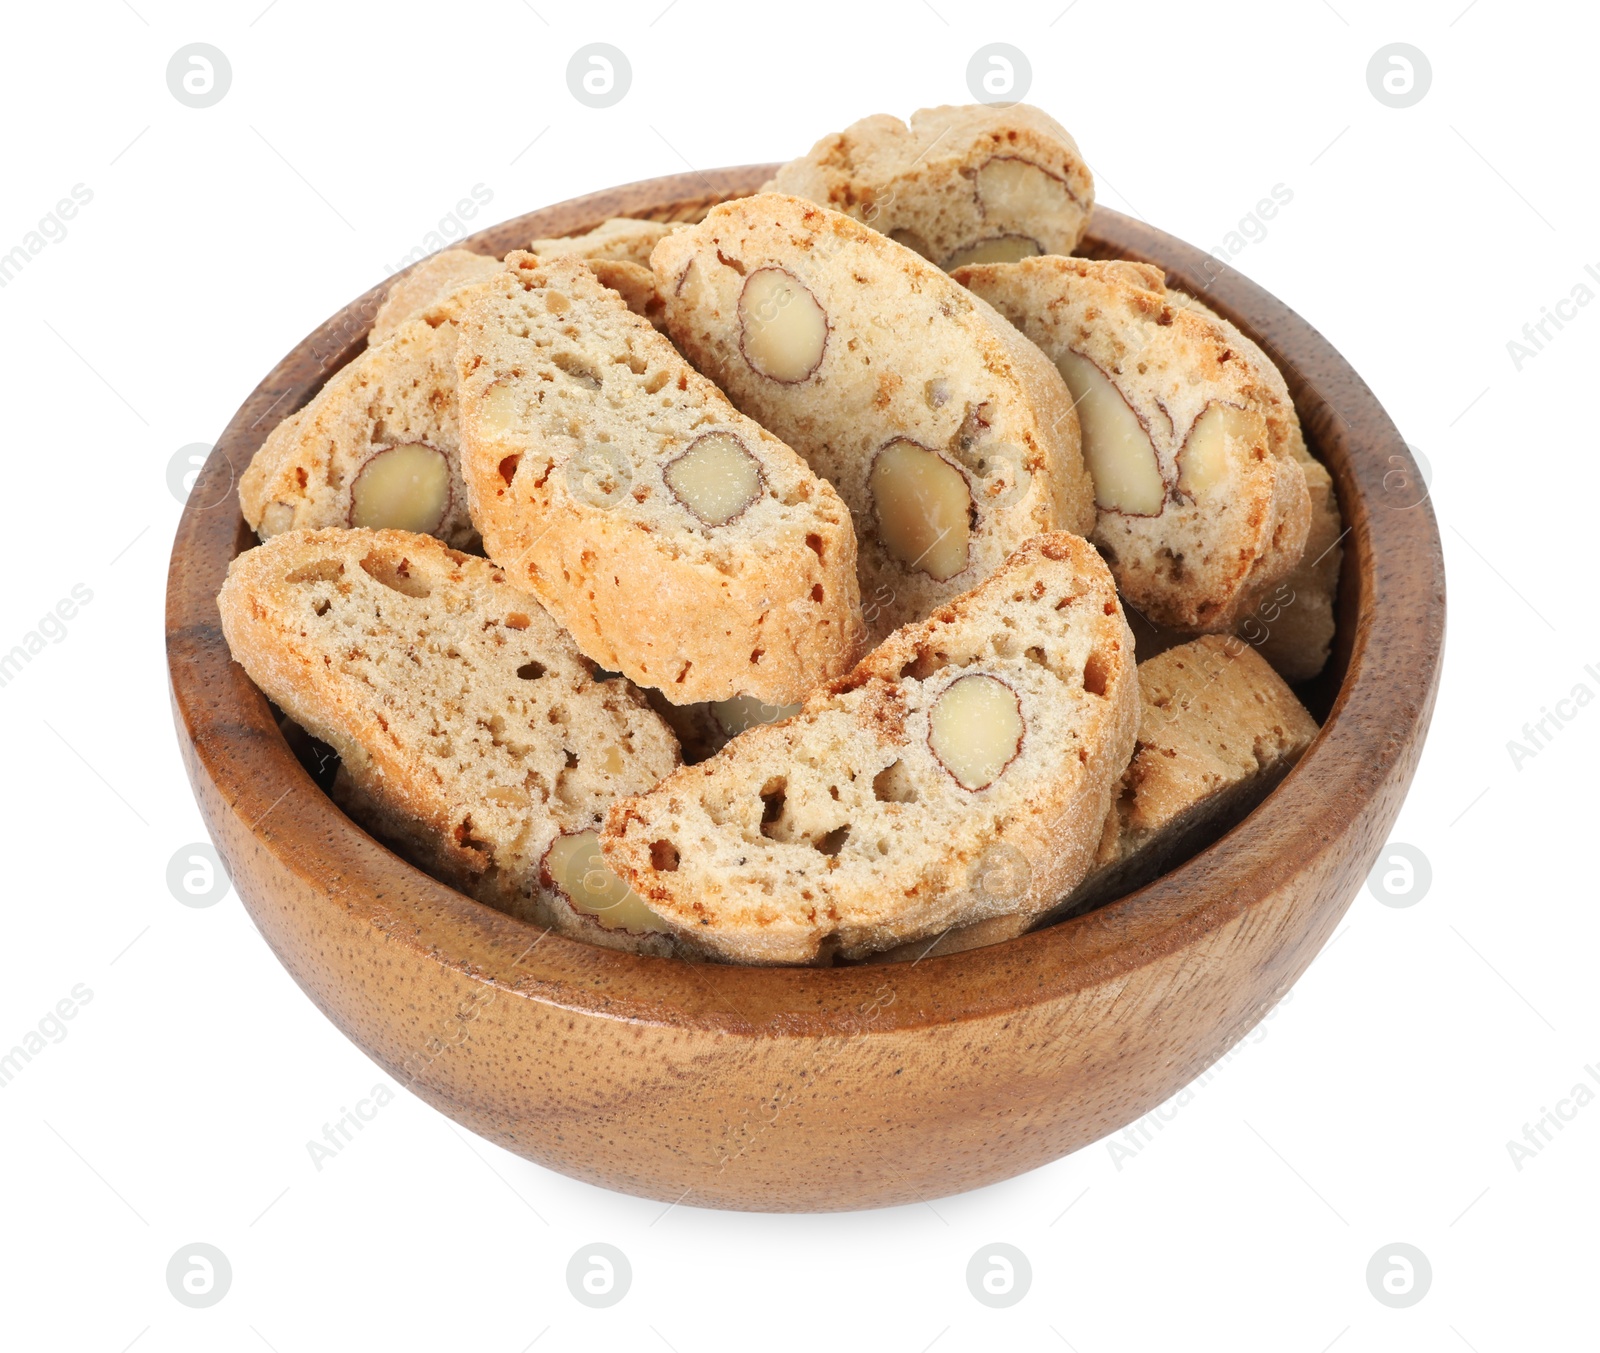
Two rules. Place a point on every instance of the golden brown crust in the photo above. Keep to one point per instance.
(1292, 624)
(471, 731)
(923, 183)
(841, 829)
(908, 355)
(1218, 729)
(621, 239)
(399, 392)
(572, 410)
(425, 285)
(1207, 556)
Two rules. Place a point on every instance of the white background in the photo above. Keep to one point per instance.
(1373, 1107)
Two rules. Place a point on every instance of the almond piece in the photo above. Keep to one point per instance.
(1203, 461)
(745, 711)
(975, 728)
(574, 867)
(783, 331)
(715, 479)
(403, 488)
(277, 518)
(1020, 190)
(994, 249)
(923, 508)
(1116, 448)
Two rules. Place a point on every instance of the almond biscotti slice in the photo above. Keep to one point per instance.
(378, 446)
(681, 543)
(950, 436)
(990, 735)
(1203, 506)
(432, 282)
(472, 733)
(1218, 729)
(968, 184)
(425, 285)
(1293, 625)
(622, 239)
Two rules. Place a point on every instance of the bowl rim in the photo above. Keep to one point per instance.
(1380, 687)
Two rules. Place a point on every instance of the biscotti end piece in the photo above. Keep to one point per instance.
(472, 733)
(1292, 625)
(963, 770)
(378, 446)
(622, 239)
(1218, 729)
(962, 184)
(680, 542)
(950, 436)
(425, 285)
(1203, 506)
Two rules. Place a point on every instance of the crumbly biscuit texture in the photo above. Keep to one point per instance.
(680, 542)
(636, 284)
(963, 184)
(1218, 729)
(622, 239)
(1191, 440)
(473, 735)
(1292, 625)
(949, 435)
(378, 446)
(425, 285)
(963, 770)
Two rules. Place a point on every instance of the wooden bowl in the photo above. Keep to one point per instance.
(817, 1089)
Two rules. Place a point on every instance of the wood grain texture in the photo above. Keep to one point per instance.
(835, 1088)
